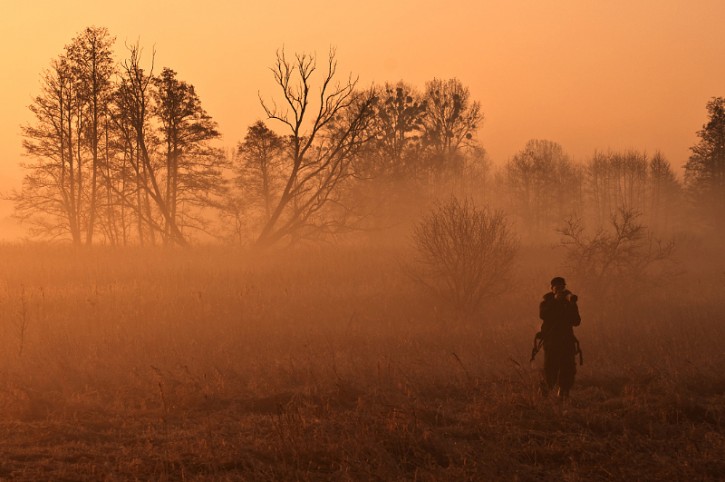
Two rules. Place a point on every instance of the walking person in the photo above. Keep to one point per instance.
(560, 314)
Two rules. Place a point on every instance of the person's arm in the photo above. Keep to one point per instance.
(546, 306)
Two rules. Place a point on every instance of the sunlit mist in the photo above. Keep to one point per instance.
(334, 241)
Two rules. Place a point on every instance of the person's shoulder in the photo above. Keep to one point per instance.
(548, 297)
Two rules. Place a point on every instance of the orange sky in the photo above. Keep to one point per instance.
(589, 74)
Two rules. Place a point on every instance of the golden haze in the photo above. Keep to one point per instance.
(588, 75)
(327, 361)
(327, 364)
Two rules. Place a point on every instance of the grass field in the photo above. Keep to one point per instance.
(328, 364)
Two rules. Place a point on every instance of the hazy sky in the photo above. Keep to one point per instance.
(589, 74)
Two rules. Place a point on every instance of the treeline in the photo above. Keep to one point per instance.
(543, 188)
(545, 191)
(121, 154)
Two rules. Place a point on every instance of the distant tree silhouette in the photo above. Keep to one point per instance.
(396, 132)
(544, 186)
(664, 205)
(260, 169)
(60, 191)
(132, 118)
(192, 167)
(258, 179)
(50, 196)
(633, 181)
(112, 147)
(75, 142)
(705, 169)
(422, 148)
(451, 120)
(137, 88)
(92, 64)
(617, 181)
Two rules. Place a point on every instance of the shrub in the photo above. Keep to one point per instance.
(625, 253)
(463, 253)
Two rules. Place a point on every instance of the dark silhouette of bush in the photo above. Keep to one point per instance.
(462, 253)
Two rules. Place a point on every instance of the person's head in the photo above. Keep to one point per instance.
(558, 284)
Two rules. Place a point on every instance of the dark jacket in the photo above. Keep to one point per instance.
(559, 319)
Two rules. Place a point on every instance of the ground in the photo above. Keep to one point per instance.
(329, 364)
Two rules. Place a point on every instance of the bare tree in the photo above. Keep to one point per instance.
(51, 197)
(622, 254)
(136, 86)
(60, 193)
(130, 168)
(325, 131)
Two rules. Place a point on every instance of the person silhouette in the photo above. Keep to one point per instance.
(559, 313)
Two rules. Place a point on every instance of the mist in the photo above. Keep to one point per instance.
(320, 360)
(349, 290)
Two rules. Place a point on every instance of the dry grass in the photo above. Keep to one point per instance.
(207, 364)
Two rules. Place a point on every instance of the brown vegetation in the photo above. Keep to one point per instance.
(212, 364)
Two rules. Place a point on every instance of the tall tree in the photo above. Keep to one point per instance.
(193, 168)
(130, 168)
(259, 170)
(397, 127)
(664, 194)
(325, 131)
(705, 169)
(544, 186)
(61, 188)
(91, 62)
(137, 102)
(616, 181)
(451, 120)
(50, 197)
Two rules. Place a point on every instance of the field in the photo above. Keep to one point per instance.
(329, 364)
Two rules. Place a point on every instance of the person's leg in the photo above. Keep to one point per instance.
(551, 369)
(567, 373)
